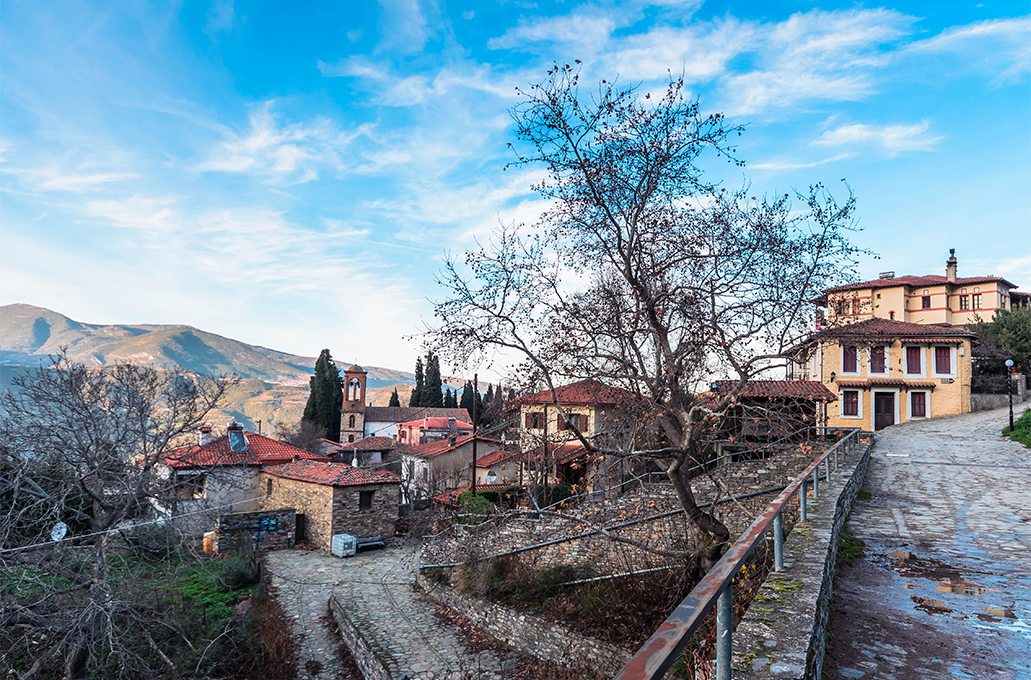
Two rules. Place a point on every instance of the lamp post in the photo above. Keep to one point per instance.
(1009, 388)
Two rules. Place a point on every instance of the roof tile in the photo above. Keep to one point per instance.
(780, 389)
(260, 450)
(332, 474)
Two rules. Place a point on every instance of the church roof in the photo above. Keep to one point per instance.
(355, 368)
(404, 414)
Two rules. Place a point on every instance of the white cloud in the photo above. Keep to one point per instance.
(891, 138)
(796, 165)
(286, 153)
(586, 30)
(999, 45)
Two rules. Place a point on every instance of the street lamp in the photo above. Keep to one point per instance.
(1009, 388)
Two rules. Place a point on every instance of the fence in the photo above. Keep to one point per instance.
(663, 648)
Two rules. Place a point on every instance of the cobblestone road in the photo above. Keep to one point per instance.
(944, 590)
(376, 589)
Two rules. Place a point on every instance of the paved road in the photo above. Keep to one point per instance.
(945, 588)
(376, 589)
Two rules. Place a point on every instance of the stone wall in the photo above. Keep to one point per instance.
(368, 663)
(260, 531)
(530, 634)
(314, 501)
(380, 520)
(988, 402)
(784, 632)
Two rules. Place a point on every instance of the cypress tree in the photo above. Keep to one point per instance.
(490, 395)
(394, 399)
(326, 396)
(467, 399)
(420, 384)
(432, 393)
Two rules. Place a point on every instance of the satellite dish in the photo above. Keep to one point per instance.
(59, 531)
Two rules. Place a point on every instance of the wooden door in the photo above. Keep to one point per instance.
(883, 410)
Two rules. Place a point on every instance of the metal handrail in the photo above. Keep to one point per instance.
(663, 648)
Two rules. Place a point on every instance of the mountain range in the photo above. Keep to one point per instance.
(273, 385)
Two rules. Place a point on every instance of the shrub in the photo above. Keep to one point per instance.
(238, 572)
(1021, 429)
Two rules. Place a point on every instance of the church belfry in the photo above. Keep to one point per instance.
(352, 417)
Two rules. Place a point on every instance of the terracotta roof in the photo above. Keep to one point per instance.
(780, 389)
(497, 456)
(436, 424)
(401, 414)
(888, 328)
(917, 281)
(434, 449)
(332, 474)
(885, 382)
(451, 497)
(375, 444)
(355, 368)
(260, 451)
(583, 393)
(558, 453)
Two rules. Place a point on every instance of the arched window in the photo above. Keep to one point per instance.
(350, 438)
(268, 488)
(354, 389)
(350, 421)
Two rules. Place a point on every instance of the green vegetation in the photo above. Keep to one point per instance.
(429, 388)
(326, 396)
(394, 399)
(850, 549)
(1021, 429)
(863, 495)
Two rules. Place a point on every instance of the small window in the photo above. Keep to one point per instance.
(534, 420)
(877, 360)
(913, 360)
(925, 302)
(268, 488)
(350, 421)
(404, 435)
(919, 405)
(850, 403)
(977, 289)
(977, 300)
(190, 485)
(848, 360)
(942, 360)
(365, 500)
(350, 438)
(964, 302)
(857, 306)
(891, 315)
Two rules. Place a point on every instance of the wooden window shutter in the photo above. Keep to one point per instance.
(529, 421)
(942, 360)
(913, 359)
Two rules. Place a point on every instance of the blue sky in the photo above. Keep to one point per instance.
(291, 174)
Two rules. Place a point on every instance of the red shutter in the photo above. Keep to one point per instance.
(919, 405)
(848, 364)
(877, 360)
(942, 360)
(529, 421)
(851, 402)
(913, 359)
(583, 422)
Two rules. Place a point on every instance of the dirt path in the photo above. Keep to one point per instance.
(945, 588)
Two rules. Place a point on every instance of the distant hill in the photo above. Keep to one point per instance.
(273, 385)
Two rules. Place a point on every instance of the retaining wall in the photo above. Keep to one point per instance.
(368, 663)
(784, 632)
(256, 532)
(532, 635)
(989, 402)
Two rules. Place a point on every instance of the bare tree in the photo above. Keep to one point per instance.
(642, 273)
(81, 448)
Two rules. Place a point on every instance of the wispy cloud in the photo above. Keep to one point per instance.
(999, 45)
(891, 138)
(582, 28)
(797, 165)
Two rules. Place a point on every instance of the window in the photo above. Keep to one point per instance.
(189, 485)
(850, 403)
(404, 434)
(350, 421)
(977, 300)
(268, 488)
(534, 420)
(856, 306)
(365, 500)
(849, 364)
(350, 438)
(918, 405)
(840, 307)
(913, 361)
(877, 364)
(579, 420)
(925, 302)
(943, 360)
(964, 302)
(891, 315)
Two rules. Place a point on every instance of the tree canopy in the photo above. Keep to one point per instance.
(326, 396)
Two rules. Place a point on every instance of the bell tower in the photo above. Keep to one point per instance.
(352, 416)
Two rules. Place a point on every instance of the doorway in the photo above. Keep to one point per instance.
(883, 410)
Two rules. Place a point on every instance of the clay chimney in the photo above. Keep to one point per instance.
(205, 435)
(950, 266)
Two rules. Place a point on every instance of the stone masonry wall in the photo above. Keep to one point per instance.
(380, 520)
(314, 501)
(532, 635)
(783, 634)
(368, 663)
(987, 402)
(259, 531)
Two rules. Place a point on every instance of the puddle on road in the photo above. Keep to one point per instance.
(931, 606)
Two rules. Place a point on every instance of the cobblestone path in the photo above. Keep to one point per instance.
(377, 590)
(944, 590)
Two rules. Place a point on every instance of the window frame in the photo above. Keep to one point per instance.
(952, 361)
(927, 404)
(905, 361)
(964, 303)
(887, 362)
(925, 302)
(858, 415)
(368, 495)
(841, 360)
(976, 302)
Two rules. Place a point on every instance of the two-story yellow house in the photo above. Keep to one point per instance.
(930, 299)
(885, 372)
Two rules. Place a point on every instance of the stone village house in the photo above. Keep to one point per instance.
(434, 467)
(333, 498)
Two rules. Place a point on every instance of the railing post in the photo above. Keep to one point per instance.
(802, 500)
(837, 461)
(778, 541)
(816, 482)
(724, 626)
(827, 466)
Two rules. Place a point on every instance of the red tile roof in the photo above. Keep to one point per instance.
(437, 448)
(558, 453)
(260, 451)
(374, 444)
(885, 382)
(780, 389)
(437, 424)
(332, 474)
(888, 328)
(451, 497)
(918, 281)
(588, 392)
(401, 414)
(497, 456)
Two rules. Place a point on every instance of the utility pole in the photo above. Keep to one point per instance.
(476, 388)
(546, 466)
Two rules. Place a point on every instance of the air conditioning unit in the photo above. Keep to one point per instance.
(344, 545)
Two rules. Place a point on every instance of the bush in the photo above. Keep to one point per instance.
(238, 572)
(557, 494)
(1021, 429)
(473, 509)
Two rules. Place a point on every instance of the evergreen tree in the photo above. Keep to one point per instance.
(489, 398)
(326, 396)
(432, 392)
(467, 399)
(420, 384)
(394, 399)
